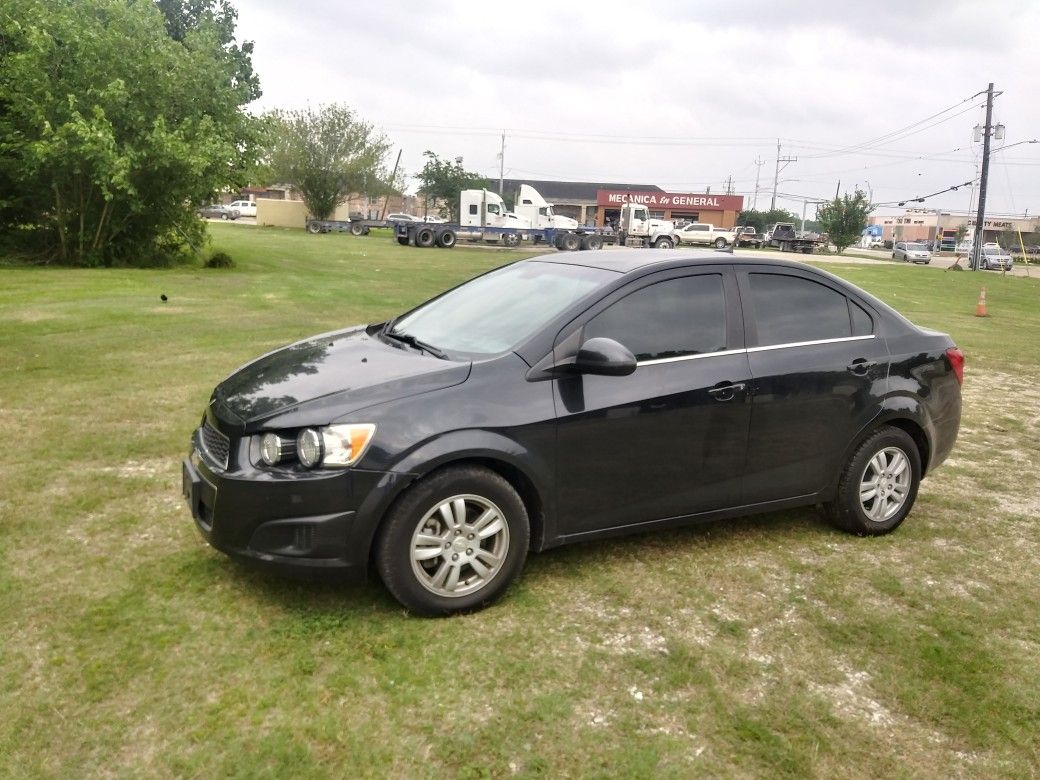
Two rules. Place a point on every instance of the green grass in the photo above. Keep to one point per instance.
(764, 646)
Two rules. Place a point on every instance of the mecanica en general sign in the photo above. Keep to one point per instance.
(670, 200)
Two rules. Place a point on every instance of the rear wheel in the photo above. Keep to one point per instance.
(594, 243)
(314, 227)
(511, 240)
(879, 484)
(570, 242)
(720, 243)
(357, 229)
(453, 542)
(447, 239)
(424, 237)
(225, 216)
(402, 240)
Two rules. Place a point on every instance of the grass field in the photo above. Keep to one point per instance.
(765, 646)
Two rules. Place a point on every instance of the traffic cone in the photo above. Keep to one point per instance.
(980, 307)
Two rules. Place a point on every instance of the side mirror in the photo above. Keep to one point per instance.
(604, 357)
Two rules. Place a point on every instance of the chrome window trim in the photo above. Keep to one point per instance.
(790, 344)
(748, 350)
(699, 355)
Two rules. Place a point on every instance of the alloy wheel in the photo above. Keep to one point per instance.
(885, 484)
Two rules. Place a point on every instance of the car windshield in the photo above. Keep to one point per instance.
(917, 247)
(992, 250)
(495, 312)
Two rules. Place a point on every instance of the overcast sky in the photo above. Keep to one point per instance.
(681, 95)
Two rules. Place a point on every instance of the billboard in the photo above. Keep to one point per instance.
(665, 201)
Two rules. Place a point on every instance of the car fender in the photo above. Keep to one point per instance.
(899, 405)
(453, 447)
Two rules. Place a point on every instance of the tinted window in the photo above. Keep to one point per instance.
(790, 309)
(472, 208)
(685, 316)
(862, 323)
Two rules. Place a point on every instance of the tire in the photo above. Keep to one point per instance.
(720, 243)
(431, 579)
(570, 242)
(402, 240)
(891, 453)
(584, 243)
(894, 256)
(664, 243)
(511, 240)
(314, 227)
(357, 229)
(225, 217)
(594, 243)
(447, 239)
(424, 237)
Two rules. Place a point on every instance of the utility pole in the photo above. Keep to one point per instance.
(729, 184)
(758, 172)
(776, 174)
(502, 164)
(980, 217)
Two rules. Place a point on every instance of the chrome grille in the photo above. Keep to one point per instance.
(215, 444)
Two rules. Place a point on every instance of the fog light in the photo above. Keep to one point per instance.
(308, 447)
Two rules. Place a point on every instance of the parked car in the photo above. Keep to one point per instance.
(995, 258)
(217, 211)
(429, 218)
(748, 236)
(245, 208)
(566, 398)
(402, 218)
(910, 252)
(703, 233)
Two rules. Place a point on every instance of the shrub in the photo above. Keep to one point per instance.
(220, 260)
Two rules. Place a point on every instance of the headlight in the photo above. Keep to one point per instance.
(308, 447)
(271, 449)
(335, 446)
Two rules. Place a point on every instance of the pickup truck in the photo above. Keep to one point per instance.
(704, 234)
(748, 236)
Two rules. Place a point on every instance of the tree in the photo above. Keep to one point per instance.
(844, 218)
(763, 220)
(443, 180)
(328, 155)
(112, 131)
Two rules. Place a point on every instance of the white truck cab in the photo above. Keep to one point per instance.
(638, 227)
(531, 205)
(483, 208)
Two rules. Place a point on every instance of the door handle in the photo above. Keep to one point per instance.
(727, 391)
(861, 365)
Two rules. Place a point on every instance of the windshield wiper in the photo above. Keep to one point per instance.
(408, 338)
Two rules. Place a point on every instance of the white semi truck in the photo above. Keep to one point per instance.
(483, 217)
(637, 228)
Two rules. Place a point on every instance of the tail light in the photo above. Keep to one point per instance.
(956, 358)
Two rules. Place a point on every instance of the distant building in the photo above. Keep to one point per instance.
(917, 224)
(598, 202)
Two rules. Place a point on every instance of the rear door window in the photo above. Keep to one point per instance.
(791, 309)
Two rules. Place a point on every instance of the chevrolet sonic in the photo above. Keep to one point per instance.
(566, 398)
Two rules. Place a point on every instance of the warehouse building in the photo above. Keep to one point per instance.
(918, 224)
(599, 203)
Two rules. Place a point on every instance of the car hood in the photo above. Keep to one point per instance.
(315, 381)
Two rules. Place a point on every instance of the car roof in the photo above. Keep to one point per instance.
(628, 260)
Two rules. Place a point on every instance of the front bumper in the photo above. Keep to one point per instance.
(317, 523)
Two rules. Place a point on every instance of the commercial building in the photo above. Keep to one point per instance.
(917, 224)
(599, 203)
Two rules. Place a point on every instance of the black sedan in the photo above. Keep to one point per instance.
(565, 398)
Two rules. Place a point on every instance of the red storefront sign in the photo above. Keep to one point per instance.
(670, 200)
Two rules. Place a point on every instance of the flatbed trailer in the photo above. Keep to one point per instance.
(785, 239)
(356, 227)
(446, 235)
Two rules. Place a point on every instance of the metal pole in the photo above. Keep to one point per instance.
(804, 204)
(980, 217)
(393, 178)
(776, 176)
(502, 165)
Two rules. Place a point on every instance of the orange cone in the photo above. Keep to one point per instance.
(980, 307)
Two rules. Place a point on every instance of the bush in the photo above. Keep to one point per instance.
(220, 260)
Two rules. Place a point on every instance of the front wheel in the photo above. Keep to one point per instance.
(453, 542)
(664, 243)
(720, 243)
(225, 217)
(879, 484)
